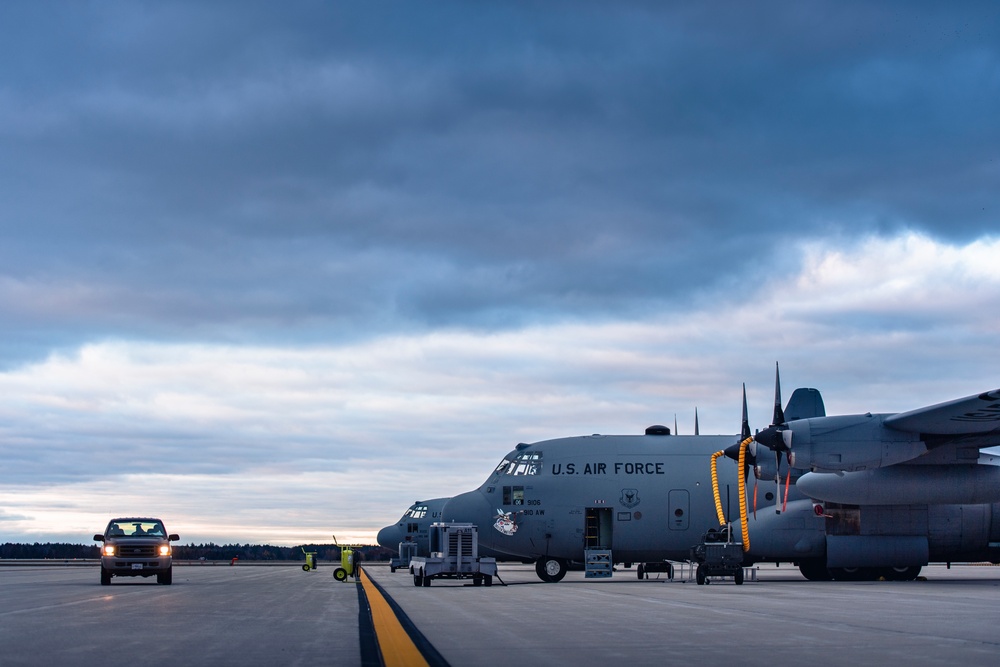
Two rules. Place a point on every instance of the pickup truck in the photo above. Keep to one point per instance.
(136, 547)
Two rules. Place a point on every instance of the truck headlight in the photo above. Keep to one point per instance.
(164, 549)
(109, 550)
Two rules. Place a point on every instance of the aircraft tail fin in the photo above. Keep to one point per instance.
(804, 404)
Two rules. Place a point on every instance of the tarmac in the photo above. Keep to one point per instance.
(245, 615)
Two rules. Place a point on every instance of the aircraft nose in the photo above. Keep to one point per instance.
(390, 537)
(469, 507)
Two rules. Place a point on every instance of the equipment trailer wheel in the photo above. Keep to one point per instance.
(340, 574)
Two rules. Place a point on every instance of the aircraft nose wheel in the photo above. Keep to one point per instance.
(550, 570)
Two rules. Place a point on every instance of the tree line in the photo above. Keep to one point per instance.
(210, 551)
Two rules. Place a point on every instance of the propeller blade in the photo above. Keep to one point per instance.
(777, 482)
(745, 431)
(779, 414)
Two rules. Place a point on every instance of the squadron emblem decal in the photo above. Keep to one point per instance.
(505, 522)
(630, 498)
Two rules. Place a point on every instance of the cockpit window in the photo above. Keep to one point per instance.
(521, 463)
(416, 512)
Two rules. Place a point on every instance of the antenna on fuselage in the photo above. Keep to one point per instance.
(696, 429)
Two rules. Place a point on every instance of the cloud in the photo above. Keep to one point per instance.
(388, 242)
(231, 436)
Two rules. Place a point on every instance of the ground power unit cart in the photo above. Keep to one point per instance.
(454, 555)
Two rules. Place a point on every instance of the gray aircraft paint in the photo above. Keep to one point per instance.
(920, 488)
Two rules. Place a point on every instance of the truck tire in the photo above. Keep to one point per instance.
(700, 575)
(165, 578)
(105, 577)
(427, 581)
(738, 577)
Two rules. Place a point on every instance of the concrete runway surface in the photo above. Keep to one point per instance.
(247, 615)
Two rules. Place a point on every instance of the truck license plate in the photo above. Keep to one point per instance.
(136, 566)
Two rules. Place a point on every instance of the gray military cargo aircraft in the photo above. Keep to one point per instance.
(413, 526)
(854, 497)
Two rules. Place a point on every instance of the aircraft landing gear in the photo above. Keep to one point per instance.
(550, 570)
(901, 573)
(814, 569)
(855, 573)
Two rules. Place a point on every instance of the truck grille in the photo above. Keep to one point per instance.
(137, 551)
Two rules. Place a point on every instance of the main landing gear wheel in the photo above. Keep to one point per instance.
(901, 573)
(340, 574)
(640, 571)
(855, 573)
(815, 569)
(550, 570)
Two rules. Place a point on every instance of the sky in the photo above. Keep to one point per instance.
(274, 271)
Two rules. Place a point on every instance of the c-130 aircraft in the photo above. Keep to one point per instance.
(855, 497)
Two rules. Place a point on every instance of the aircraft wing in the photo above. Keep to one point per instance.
(973, 415)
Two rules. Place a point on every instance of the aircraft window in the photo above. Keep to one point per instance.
(522, 463)
(513, 495)
(417, 512)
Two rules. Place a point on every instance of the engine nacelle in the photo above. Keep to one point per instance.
(906, 485)
(846, 443)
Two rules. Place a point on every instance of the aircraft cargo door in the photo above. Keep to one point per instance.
(679, 501)
(598, 528)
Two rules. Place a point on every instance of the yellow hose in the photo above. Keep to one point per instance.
(742, 485)
(715, 487)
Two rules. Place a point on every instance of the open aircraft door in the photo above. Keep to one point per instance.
(597, 532)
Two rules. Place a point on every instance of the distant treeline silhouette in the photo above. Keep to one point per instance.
(210, 551)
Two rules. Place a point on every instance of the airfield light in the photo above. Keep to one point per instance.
(109, 550)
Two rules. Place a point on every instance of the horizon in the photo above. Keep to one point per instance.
(328, 260)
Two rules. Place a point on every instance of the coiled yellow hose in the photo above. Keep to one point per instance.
(742, 486)
(715, 487)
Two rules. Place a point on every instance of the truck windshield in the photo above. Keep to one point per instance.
(134, 528)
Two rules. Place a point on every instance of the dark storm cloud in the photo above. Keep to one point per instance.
(234, 170)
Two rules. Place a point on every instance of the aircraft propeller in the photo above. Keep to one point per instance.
(776, 437)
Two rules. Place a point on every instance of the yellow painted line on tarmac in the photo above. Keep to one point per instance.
(398, 650)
